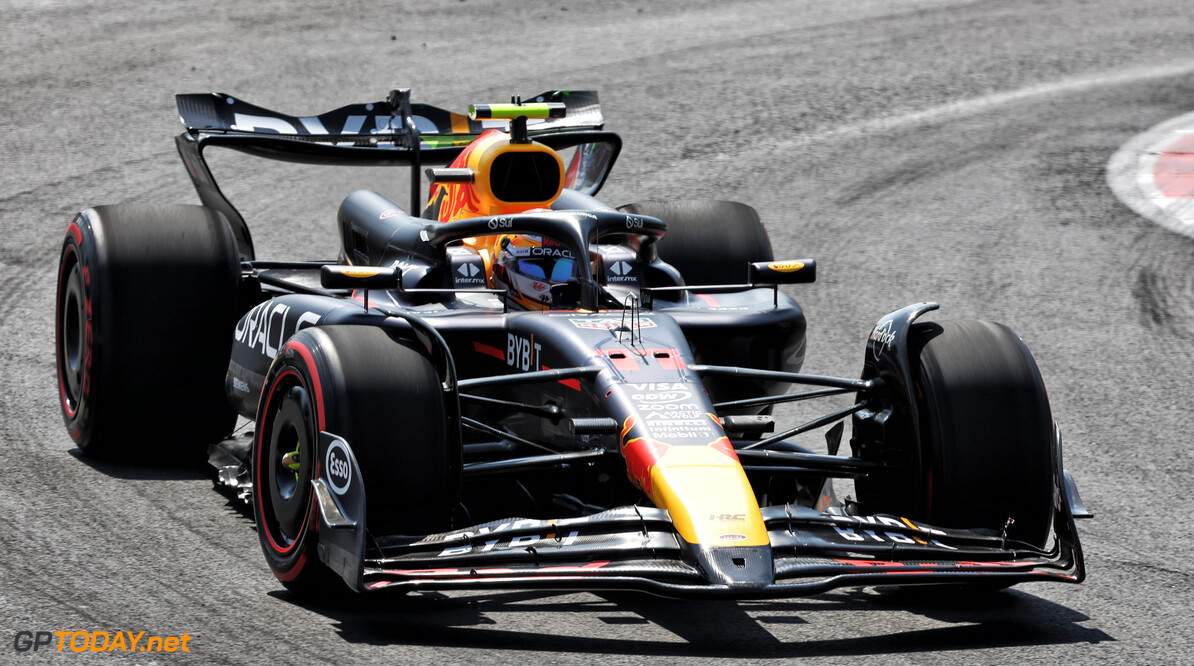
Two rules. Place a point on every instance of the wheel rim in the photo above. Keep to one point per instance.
(287, 463)
(72, 335)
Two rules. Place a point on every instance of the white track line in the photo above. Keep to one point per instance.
(987, 102)
(1129, 172)
(1130, 176)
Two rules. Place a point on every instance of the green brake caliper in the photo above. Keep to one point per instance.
(291, 461)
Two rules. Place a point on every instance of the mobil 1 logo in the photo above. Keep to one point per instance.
(671, 412)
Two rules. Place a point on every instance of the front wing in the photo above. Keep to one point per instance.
(637, 548)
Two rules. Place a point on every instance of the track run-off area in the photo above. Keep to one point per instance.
(1012, 160)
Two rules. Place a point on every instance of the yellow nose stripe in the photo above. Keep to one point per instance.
(708, 496)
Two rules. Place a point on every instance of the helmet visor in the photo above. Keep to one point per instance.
(551, 270)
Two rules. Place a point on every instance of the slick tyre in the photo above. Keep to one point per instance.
(385, 399)
(708, 241)
(985, 430)
(146, 305)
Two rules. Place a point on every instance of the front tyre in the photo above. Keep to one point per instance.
(984, 454)
(282, 505)
(986, 430)
(382, 396)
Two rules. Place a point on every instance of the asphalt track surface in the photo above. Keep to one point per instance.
(920, 150)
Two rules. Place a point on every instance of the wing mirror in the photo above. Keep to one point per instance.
(783, 272)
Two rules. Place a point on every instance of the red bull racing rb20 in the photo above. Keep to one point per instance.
(515, 385)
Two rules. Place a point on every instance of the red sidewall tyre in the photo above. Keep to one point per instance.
(385, 399)
(74, 338)
(286, 520)
(146, 303)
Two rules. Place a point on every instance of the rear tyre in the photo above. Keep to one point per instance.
(146, 305)
(385, 399)
(985, 433)
(708, 241)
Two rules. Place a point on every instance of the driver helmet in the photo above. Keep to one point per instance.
(528, 266)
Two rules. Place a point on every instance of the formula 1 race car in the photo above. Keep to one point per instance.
(515, 385)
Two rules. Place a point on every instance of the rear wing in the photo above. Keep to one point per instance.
(393, 132)
(392, 125)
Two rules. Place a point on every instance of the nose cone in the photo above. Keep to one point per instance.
(706, 491)
(739, 567)
(713, 509)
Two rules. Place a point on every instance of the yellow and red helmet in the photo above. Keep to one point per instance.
(527, 267)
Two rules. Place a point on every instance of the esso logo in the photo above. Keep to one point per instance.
(390, 212)
(339, 471)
